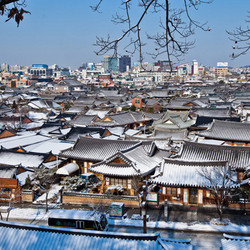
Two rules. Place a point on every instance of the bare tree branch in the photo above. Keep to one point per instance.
(241, 38)
(5, 2)
(177, 28)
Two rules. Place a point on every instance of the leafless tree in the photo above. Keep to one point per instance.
(241, 38)
(13, 9)
(43, 180)
(176, 25)
(11, 197)
(136, 184)
(219, 181)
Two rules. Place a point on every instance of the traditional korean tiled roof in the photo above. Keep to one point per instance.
(174, 135)
(184, 103)
(185, 173)
(205, 121)
(174, 120)
(75, 132)
(228, 131)
(84, 120)
(122, 118)
(163, 93)
(22, 140)
(232, 242)
(7, 171)
(214, 112)
(26, 159)
(137, 160)
(92, 149)
(43, 237)
(237, 157)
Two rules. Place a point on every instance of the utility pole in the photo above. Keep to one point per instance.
(144, 208)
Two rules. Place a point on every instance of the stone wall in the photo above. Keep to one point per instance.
(71, 198)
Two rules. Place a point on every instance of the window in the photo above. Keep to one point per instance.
(172, 191)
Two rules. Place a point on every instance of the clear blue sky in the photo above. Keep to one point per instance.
(63, 32)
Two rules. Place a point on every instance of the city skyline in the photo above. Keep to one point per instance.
(53, 36)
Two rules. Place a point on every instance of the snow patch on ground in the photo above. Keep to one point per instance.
(34, 215)
(202, 227)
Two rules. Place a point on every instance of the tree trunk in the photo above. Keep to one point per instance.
(46, 201)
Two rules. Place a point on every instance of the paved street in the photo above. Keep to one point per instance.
(176, 214)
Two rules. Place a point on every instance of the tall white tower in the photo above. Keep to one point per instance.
(195, 67)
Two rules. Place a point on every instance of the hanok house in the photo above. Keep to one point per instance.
(87, 151)
(9, 185)
(184, 182)
(127, 167)
(198, 154)
(238, 157)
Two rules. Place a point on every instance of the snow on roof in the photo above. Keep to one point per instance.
(185, 173)
(23, 140)
(131, 132)
(23, 176)
(43, 237)
(111, 137)
(75, 214)
(100, 113)
(53, 145)
(116, 130)
(137, 161)
(212, 142)
(38, 104)
(16, 158)
(52, 164)
(32, 125)
(37, 115)
(53, 192)
(232, 242)
(68, 169)
(7, 172)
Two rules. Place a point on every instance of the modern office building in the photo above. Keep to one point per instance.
(110, 64)
(40, 70)
(124, 63)
(221, 69)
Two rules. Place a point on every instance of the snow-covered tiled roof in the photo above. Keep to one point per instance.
(99, 113)
(22, 140)
(55, 146)
(43, 237)
(230, 131)
(7, 171)
(237, 157)
(186, 173)
(93, 149)
(23, 176)
(137, 160)
(232, 242)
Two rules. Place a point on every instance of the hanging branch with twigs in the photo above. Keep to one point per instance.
(241, 38)
(13, 9)
(176, 29)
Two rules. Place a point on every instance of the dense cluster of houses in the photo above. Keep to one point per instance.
(170, 138)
